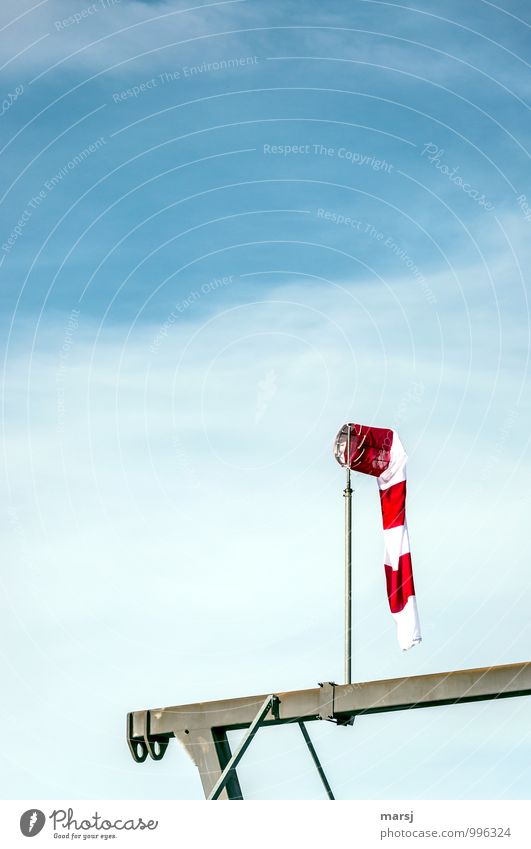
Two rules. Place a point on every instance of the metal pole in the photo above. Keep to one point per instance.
(347, 494)
(242, 748)
(316, 760)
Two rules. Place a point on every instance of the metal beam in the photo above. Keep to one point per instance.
(196, 725)
(202, 747)
(221, 741)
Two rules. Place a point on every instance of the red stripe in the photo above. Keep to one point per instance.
(399, 583)
(393, 501)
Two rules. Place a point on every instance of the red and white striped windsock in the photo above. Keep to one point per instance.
(378, 451)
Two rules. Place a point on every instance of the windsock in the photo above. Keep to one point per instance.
(378, 451)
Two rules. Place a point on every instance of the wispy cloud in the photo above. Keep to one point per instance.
(52, 37)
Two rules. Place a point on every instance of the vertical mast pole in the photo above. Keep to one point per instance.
(347, 494)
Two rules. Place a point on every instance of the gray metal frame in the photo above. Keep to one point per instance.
(202, 728)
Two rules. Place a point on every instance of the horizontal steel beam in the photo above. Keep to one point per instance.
(198, 726)
(324, 702)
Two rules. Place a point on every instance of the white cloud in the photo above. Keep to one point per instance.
(96, 36)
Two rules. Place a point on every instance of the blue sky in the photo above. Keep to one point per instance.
(226, 230)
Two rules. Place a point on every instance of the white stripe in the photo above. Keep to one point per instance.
(408, 625)
(396, 471)
(396, 543)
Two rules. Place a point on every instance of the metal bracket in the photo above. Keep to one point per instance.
(326, 700)
(327, 704)
(154, 745)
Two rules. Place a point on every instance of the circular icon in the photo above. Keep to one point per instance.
(31, 822)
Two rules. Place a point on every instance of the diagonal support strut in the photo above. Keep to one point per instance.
(316, 760)
(242, 748)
